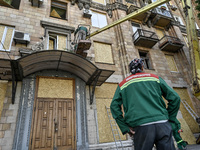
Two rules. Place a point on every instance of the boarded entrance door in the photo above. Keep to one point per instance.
(54, 118)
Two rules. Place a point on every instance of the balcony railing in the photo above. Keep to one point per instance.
(145, 38)
(170, 43)
(163, 12)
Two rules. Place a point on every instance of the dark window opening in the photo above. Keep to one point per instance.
(10, 3)
(58, 10)
(147, 62)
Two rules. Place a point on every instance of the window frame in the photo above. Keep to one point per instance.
(13, 6)
(4, 37)
(146, 58)
(99, 25)
(62, 3)
(179, 19)
(54, 33)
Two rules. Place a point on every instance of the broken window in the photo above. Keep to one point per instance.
(10, 3)
(58, 10)
(6, 37)
(146, 58)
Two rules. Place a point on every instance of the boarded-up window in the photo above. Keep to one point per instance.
(160, 33)
(59, 42)
(99, 1)
(103, 53)
(6, 37)
(183, 93)
(171, 63)
(104, 95)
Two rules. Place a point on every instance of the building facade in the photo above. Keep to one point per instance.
(54, 97)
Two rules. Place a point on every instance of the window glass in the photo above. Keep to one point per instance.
(6, 37)
(178, 19)
(59, 42)
(197, 27)
(10, 3)
(58, 10)
(171, 63)
(147, 62)
(186, 40)
(98, 20)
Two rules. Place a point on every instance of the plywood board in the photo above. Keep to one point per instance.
(104, 128)
(106, 90)
(182, 92)
(187, 134)
(103, 53)
(3, 89)
(55, 88)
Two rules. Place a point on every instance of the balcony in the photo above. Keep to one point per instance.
(145, 38)
(161, 17)
(142, 17)
(170, 44)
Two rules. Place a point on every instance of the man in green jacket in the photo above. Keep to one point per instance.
(145, 113)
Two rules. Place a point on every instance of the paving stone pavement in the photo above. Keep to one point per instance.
(193, 147)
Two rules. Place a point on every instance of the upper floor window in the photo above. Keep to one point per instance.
(135, 26)
(103, 53)
(98, 20)
(58, 9)
(100, 1)
(10, 3)
(57, 41)
(6, 37)
(179, 20)
(197, 27)
(171, 63)
(186, 40)
(161, 6)
(146, 58)
(132, 2)
(160, 33)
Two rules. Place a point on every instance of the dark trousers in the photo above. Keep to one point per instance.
(159, 134)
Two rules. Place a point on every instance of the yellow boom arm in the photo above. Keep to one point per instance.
(131, 15)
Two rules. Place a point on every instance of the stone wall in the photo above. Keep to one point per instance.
(9, 118)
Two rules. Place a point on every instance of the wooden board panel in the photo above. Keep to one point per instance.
(3, 89)
(64, 136)
(43, 125)
(103, 53)
(55, 88)
(182, 92)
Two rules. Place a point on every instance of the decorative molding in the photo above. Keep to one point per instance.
(55, 26)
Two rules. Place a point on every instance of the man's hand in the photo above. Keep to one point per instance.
(131, 133)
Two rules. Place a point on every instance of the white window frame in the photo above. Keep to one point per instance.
(56, 40)
(98, 20)
(3, 39)
(177, 18)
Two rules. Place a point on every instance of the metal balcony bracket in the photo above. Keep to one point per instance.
(14, 82)
(94, 86)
